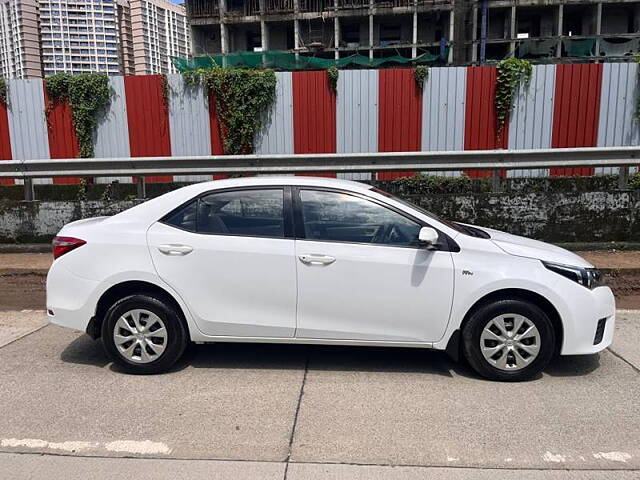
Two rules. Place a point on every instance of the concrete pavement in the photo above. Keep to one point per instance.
(15, 325)
(266, 411)
(50, 467)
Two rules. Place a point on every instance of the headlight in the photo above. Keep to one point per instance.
(587, 277)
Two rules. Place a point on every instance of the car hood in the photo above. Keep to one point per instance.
(525, 247)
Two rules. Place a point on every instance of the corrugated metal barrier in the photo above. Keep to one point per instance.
(373, 110)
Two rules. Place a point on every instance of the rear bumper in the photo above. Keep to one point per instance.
(69, 298)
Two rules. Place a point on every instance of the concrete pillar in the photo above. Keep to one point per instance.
(264, 28)
(370, 28)
(484, 14)
(336, 30)
(462, 12)
(264, 35)
(598, 27)
(474, 35)
(224, 34)
(452, 32)
(414, 38)
(296, 28)
(560, 27)
(513, 31)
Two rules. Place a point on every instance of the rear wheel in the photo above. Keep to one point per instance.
(143, 334)
(508, 340)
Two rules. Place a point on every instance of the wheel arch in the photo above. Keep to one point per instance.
(125, 289)
(526, 295)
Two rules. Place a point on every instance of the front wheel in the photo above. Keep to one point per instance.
(508, 340)
(143, 334)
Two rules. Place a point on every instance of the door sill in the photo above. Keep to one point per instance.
(202, 339)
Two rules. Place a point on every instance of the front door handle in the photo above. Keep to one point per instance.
(175, 249)
(313, 259)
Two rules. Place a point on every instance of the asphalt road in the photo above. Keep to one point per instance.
(272, 411)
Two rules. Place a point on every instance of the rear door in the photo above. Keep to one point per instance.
(230, 256)
(362, 274)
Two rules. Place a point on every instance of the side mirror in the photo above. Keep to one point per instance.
(429, 237)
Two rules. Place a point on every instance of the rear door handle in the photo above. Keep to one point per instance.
(313, 259)
(175, 249)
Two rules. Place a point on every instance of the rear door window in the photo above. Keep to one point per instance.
(255, 213)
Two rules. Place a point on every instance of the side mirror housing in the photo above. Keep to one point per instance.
(429, 237)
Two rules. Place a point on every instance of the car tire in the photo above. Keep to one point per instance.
(143, 334)
(508, 340)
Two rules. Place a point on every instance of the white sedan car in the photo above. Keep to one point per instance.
(320, 261)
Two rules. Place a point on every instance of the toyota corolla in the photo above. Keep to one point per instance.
(320, 261)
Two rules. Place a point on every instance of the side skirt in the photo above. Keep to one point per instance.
(311, 341)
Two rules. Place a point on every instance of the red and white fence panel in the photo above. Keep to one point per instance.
(580, 105)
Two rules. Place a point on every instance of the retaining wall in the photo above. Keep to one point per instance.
(571, 216)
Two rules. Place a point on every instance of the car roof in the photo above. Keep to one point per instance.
(155, 208)
(285, 180)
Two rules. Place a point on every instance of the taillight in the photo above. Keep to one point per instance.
(62, 245)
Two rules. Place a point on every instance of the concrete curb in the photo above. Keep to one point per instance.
(22, 272)
(25, 247)
(600, 246)
(620, 271)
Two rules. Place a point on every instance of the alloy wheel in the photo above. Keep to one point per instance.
(140, 336)
(510, 342)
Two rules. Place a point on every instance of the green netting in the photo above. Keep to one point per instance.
(537, 49)
(290, 61)
(579, 48)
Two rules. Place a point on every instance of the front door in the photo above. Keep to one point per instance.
(226, 254)
(361, 274)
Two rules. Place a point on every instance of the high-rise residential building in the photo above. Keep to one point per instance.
(125, 35)
(79, 36)
(19, 39)
(159, 31)
(44, 37)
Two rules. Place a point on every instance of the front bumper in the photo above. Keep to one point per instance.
(585, 309)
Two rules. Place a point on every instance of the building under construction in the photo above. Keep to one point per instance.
(458, 31)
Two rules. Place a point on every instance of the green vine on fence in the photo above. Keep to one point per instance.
(242, 99)
(420, 74)
(332, 76)
(164, 85)
(88, 94)
(81, 196)
(512, 73)
(3, 91)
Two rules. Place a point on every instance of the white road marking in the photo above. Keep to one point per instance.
(73, 446)
(130, 446)
(144, 447)
(554, 457)
(24, 442)
(613, 456)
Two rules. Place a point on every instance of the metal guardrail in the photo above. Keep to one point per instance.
(494, 160)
